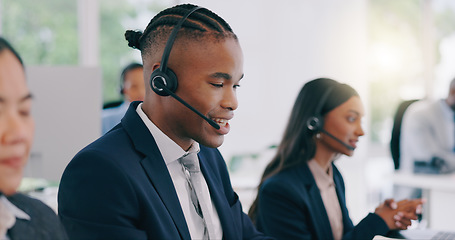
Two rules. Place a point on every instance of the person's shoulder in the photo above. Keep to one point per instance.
(422, 106)
(116, 137)
(33, 207)
(290, 178)
(278, 179)
(116, 150)
(112, 145)
(425, 110)
(44, 222)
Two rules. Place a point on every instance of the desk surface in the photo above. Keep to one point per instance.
(425, 181)
(439, 190)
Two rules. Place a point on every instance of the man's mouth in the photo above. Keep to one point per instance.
(220, 121)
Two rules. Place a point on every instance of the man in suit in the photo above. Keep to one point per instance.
(428, 135)
(134, 182)
(132, 89)
(21, 217)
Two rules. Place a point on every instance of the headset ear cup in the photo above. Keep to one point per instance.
(168, 79)
(157, 75)
(172, 81)
(314, 124)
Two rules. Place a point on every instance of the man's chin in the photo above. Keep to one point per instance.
(213, 142)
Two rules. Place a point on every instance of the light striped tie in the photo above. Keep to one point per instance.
(194, 177)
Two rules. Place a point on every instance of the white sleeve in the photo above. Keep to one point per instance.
(420, 140)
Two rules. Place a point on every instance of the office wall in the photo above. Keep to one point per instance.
(67, 111)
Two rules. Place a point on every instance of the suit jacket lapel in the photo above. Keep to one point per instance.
(317, 209)
(219, 199)
(339, 186)
(155, 167)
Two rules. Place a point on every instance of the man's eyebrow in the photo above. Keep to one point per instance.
(221, 75)
(224, 76)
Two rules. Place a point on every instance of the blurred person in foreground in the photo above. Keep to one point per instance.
(21, 217)
(302, 193)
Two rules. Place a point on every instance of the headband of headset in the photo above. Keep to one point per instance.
(316, 122)
(163, 74)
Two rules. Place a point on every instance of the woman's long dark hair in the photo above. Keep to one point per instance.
(298, 144)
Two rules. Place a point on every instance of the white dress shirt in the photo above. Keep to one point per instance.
(171, 152)
(427, 131)
(324, 181)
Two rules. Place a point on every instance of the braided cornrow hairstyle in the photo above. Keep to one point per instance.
(201, 23)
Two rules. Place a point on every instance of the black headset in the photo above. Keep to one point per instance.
(316, 123)
(164, 74)
(163, 80)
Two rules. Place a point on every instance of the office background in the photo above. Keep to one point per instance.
(388, 50)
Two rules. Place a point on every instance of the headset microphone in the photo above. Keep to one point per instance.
(163, 80)
(338, 140)
(159, 84)
(316, 123)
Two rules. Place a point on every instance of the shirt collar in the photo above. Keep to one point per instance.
(170, 150)
(323, 179)
(18, 213)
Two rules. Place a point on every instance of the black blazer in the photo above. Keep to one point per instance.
(43, 224)
(290, 207)
(118, 187)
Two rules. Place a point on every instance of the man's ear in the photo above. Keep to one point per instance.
(155, 66)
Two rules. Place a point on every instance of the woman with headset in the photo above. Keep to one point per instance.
(302, 193)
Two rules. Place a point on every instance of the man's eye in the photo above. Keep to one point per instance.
(218, 85)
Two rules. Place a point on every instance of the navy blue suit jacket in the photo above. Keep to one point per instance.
(118, 187)
(290, 207)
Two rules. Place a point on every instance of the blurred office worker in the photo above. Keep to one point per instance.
(21, 217)
(427, 141)
(132, 89)
(302, 193)
(159, 174)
